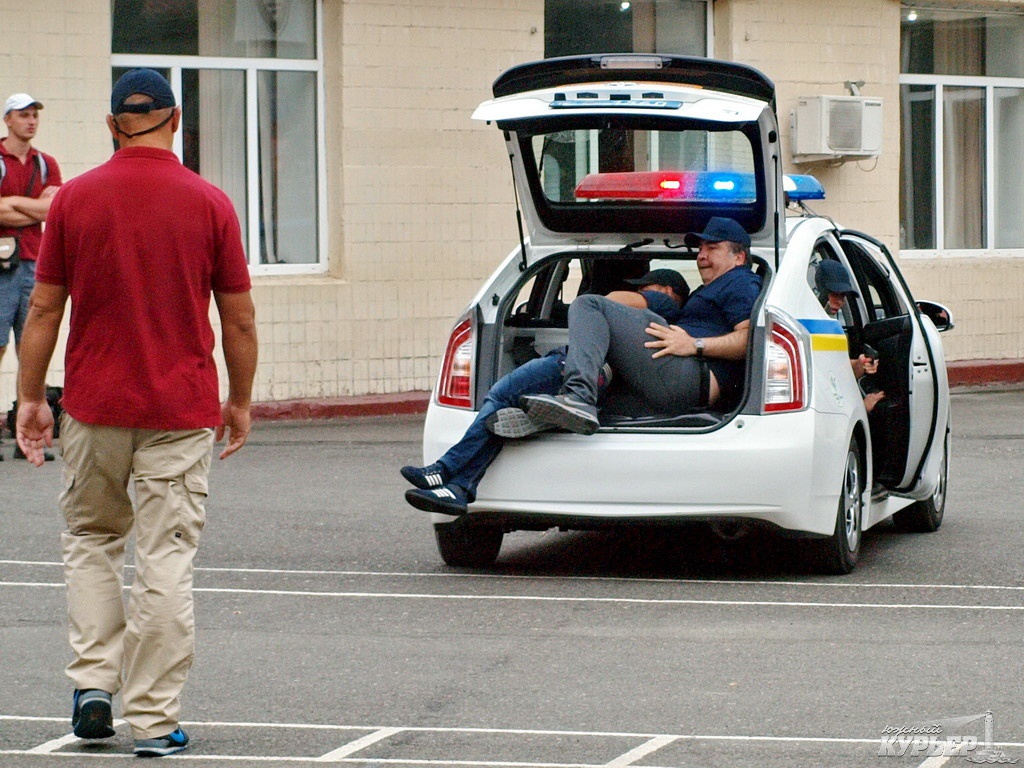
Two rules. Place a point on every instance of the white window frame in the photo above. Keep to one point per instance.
(252, 67)
(989, 86)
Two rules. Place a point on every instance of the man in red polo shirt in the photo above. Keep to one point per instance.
(139, 245)
(30, 179)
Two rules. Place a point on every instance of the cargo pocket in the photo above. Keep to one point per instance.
(66, 499)
(192, 489)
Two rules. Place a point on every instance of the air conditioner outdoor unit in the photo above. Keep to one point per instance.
(826, 127)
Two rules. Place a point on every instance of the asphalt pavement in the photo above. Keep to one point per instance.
(329, 630)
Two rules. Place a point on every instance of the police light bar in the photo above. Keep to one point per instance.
(801, 186)
(683, 186)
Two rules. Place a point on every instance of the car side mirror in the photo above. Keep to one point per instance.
(938, 314)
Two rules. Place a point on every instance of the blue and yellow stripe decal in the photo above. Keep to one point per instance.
(826, 335)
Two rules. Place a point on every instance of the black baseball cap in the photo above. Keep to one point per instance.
(667, 277)
(833, 277)
(148, 82)
(718, 229)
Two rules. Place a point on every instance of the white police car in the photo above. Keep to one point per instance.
(614, 158)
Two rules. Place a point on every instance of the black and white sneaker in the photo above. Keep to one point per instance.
(563, 411)
(432, 476)
(448, 499)
(515, 423)
(91, 716)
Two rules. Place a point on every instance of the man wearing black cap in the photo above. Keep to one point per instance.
(833, 285)
(696, 363)
(28, 181)
(449, 484)
(139, 245)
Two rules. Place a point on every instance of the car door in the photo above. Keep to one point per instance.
(903, 425)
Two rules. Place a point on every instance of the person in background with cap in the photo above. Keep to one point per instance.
(833, 286)
(695, 364)
(30, 180)
(449, 484)
(139, 245)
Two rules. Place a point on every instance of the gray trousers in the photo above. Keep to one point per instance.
(600, 330)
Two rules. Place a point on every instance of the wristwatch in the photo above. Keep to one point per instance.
(699, 344)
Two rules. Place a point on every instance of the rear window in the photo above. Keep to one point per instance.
(625, 177)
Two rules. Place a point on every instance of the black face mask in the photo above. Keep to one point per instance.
(156, 127)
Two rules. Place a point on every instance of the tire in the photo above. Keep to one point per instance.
(839, 553)
(925, 516)
(468, 546)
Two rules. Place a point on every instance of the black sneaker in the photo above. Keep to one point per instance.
(432, 476)
(165, 745)
(563, 411)
(515, 423)
(91, 716)
(448, 500)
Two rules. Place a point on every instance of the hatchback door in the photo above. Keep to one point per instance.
(627, 150)
(904, 425)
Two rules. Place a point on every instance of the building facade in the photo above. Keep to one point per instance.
(373, 206)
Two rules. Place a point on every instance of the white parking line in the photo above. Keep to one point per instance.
(335, 756)
(347, 753)
(627, 759)
(571, 599)
(835, 583)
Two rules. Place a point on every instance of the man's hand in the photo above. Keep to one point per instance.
(871, 400)
(671, 340)
(34, 431)
(864, 365)
(236, 422)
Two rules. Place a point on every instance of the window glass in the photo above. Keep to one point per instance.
(249, 28)
(917, 167)
(1009, 168)
(288, 162)
(964, 167)
(589, 167)
(612, 26)
(962, 42)
(962, 177)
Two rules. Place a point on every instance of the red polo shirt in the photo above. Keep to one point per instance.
(140, 243)
(16, 182)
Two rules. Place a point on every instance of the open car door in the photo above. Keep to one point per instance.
(903, 424)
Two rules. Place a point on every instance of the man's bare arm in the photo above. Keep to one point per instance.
(241, 351)
(35, 419)
(673, 340)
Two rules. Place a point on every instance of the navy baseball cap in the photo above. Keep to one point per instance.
(833, 277)
(718, 229)
(668, 277)
(148, 82)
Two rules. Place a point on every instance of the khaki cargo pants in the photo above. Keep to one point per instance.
(144, 650)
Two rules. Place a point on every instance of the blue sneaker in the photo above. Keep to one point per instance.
(448, 499)
(432, 476)
(91, 716)
(165, 745)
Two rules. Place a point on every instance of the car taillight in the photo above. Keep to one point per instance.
(784, 388)
(455, 385)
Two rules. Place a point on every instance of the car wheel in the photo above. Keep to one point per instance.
(925, 516)
(468, 546)
(838, 554)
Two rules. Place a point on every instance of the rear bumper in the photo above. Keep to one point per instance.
(781, 469)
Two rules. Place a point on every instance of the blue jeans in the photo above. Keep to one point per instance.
(468, 459)
(15, 290)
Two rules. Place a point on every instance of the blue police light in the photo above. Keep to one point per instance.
(801, 186)
(725, 187)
